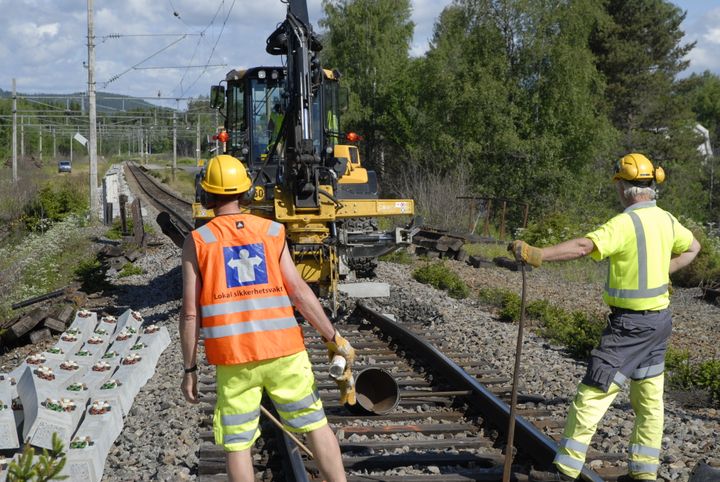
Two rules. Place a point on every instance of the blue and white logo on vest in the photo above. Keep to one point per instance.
(245, 265)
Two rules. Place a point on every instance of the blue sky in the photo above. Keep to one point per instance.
(43, 42)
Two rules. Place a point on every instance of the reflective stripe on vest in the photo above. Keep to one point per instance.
(274, 229)
(642, 290)
(206, 234)
(243, 306)
(245, 327)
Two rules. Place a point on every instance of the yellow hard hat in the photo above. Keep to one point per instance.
(636, 167)
(225, 174)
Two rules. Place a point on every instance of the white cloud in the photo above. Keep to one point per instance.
(703, 27)
(712, 36)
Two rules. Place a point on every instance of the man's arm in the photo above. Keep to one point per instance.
(567, 250)
(684, 259)
(303, 298)
(189, 325)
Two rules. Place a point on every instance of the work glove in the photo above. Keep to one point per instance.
(346, 383)
(526, 253)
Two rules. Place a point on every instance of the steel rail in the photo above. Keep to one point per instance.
(143, 179)
(540, 447)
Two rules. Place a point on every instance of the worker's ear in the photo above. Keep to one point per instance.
(247, 197)
(207, 199)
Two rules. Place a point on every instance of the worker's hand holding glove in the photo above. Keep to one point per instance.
(526, 253)
(345, 382)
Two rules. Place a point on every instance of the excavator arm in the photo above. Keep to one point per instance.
(295, 39)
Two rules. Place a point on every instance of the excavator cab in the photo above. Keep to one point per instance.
(257, 102)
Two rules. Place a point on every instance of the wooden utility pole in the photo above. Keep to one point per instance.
(92, 145)
(14, 139)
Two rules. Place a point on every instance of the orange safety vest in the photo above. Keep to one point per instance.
(246, 314)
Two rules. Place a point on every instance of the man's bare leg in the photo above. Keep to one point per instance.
(326, 450)
(239, 466)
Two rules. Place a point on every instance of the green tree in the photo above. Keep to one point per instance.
(512, 89)
(639, 52)
(368, 41)
(702, 93)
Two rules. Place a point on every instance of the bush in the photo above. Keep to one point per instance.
(54, 202)
(47, 467)
(705, 269)
(441, 277)
(507, 301)
(683, 374)
(558, 227)
(91, 274)
(574, 330)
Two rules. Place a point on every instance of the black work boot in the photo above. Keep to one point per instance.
(630, 478)
(553, 475)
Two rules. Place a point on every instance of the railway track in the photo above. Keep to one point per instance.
(175, 217)
(444, 418)
(448, 420)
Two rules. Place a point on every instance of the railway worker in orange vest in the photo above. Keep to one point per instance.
(644, 245)
(239, 288)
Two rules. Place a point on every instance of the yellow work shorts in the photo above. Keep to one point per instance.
(289, 382)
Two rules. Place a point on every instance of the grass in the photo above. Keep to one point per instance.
(183, 183)
(575, 330)
(24, 274)
(443, 278)
(401, 256)
(130, 270)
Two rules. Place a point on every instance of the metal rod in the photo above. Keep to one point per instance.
(516, 376)
(293, 437)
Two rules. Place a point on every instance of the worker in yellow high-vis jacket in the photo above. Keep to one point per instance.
(644, 244)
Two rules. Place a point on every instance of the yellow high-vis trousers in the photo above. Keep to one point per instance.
(588, 408)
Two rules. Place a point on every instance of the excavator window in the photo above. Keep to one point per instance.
(266, 94)
(236, 116)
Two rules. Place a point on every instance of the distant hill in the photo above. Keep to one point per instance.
(106, 102)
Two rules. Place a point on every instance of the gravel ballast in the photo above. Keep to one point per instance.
(160, 439)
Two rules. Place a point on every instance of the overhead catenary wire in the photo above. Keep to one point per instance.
(197, 45)
(212, 52)
(117, 76)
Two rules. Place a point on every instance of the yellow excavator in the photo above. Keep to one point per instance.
(283, 123)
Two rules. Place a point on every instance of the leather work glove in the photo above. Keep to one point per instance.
(526, 253)
(340, 346)
(346, 382)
